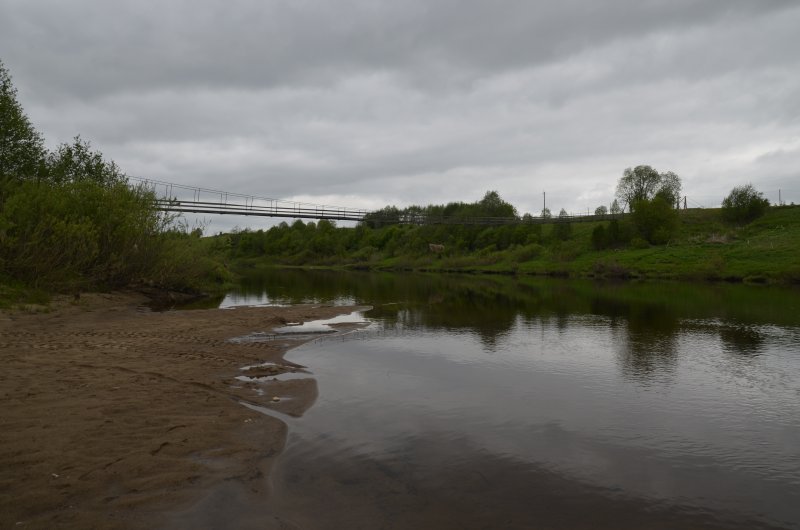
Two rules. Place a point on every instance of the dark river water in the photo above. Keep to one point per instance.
(501, 402)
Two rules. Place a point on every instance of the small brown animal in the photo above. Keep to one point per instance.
(436, 248)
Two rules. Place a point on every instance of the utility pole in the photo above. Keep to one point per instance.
(779, 197)
(544, 201)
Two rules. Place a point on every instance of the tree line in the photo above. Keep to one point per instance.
(650, 199)
(70, 220)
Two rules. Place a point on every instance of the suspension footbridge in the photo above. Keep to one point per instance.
(180, 198)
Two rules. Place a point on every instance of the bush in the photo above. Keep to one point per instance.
(80, 234)
(743, 205)
(562, 229)
(619, 233)
(527, 252)
(599, 237)
(69, 219)
(655, 220)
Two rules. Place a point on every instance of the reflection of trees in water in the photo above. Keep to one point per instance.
(485, 306)
(646, 358)
(741, 340)
(643, 317)
(645, 335)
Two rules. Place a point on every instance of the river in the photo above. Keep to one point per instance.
(502, 402)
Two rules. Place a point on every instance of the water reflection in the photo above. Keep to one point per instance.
(518, 403)
(647, 319)
(741, 340)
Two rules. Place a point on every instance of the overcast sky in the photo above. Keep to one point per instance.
(369, 103)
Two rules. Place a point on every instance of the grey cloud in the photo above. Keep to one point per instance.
(418, 102)
(98, 48)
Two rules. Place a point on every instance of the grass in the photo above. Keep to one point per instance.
(704, 248)
(14, 295)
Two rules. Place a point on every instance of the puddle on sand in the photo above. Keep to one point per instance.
(310, 329)
(261, 377)
(269, 371)
(328, 325)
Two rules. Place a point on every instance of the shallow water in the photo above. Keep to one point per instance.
(502, 403)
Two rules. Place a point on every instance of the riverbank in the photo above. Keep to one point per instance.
(115, 416)
(703, 248)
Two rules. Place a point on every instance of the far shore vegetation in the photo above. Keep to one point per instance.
(655, 242)
(70, 221)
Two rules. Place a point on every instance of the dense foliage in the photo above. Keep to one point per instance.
(744, 204)
(491, 206)
(70, 220)
(643, 183)
(323, 242)
(654, 239)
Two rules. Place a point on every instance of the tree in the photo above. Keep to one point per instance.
(616, 209)
(493, 206)
(599, 237)
(643, 183)
(77, 162)
(656, 220)
(670, 189)
(601, 210)
(563, 228)
(22, 150)
(744, 204)
(546, 214)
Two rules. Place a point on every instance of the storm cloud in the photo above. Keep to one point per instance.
(367, 103)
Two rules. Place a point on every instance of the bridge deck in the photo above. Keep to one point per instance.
(304, 211)
(175, 198)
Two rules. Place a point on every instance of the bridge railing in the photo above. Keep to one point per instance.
(277, 209)
(192, 199)
(180, 198)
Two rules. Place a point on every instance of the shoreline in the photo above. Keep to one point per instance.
(118, 417)
(612, 276)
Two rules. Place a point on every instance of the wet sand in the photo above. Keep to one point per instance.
(117, 417)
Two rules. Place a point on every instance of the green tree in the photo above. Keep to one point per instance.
(562, 229)
(22, 152)
(643, 183)
(618, 234)
(656, 220)
(744, 204)
(670, 188)
(77, 162)
(599, 237)
(616, 209)
(601, 210)
(493, 206)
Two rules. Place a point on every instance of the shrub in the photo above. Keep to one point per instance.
(655, 220)
(562, 229)
(743, 205)
(619, 233)
(527, 252)
(81, 234)
(599, 237)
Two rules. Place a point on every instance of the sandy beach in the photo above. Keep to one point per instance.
(114, 416)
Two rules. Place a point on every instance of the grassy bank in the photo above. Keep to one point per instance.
(702, 247)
